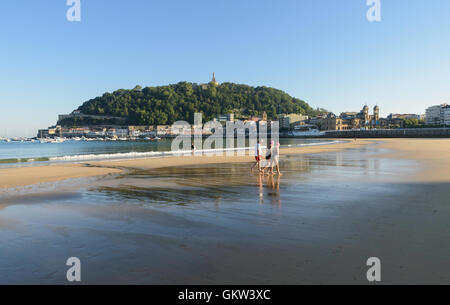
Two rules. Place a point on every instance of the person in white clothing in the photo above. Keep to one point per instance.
(257, 156)
(276, 158)
(269, 160)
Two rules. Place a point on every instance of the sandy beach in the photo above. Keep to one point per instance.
(18, 177)
(192, 220)
(433, 155)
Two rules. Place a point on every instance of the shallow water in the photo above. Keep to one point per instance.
(222, 224)
(15, 154)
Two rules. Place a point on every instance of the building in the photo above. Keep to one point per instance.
(348, 115)
(75, 132)
(223, 118)
(435, 115)
(163, 130)
(213, 82)
(447, 115)
(289, 120)
(51, 132)
(352, 120)
(76, 114)
(317, 120)
(393, 116)
(337, 123)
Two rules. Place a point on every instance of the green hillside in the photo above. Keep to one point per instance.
(167, 104)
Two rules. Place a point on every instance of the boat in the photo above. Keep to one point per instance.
(57, 140)
(307, 131)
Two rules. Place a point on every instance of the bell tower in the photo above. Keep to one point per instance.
(376, 113)
(366, 114)
(214, 79)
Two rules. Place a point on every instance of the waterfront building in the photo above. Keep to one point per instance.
(446, 116)
(317, 120)
(393, 116)
(122, 132)
(287, 121)
(352, 120)
(435, 114)
(163, 130)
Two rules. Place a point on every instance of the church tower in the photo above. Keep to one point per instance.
(366, 114)
(376, 113)
(214, 79)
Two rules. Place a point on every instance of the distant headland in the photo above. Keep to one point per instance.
(164, 105)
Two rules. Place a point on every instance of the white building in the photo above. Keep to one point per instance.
(435, 114)
(447, 115)
(286, 120)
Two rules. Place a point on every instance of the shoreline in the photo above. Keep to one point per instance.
(431, 153)
(32, 175)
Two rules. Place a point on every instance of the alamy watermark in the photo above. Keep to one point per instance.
(74, 272)
(374, 272)
(74, 11)
(191, 139)
(374, 12)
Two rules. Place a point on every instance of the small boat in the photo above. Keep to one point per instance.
(306, 131)
(57, 140)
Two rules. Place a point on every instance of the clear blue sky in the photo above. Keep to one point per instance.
(323, 51)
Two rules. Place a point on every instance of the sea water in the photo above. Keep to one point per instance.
(32, 153)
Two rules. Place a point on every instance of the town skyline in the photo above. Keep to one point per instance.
(326, 54)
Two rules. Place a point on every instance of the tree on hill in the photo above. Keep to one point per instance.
(178, 102)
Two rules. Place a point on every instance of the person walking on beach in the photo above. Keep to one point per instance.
(276, 158)
(257, 156)
(269, 161)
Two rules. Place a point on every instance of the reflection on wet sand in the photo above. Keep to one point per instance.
(269, 187)
(221, 224)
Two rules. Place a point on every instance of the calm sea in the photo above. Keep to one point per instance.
(32, 153)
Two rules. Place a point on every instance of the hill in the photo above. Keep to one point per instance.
(167, 104)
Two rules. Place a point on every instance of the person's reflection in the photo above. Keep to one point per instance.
(274, 185)
(260, 188)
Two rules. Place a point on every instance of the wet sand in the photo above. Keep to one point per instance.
(220, 224)
(18, 177)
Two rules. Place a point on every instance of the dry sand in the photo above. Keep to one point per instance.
(432, 153)
(15, 177)
(433, 156)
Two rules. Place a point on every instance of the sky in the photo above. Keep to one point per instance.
(325, 52)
